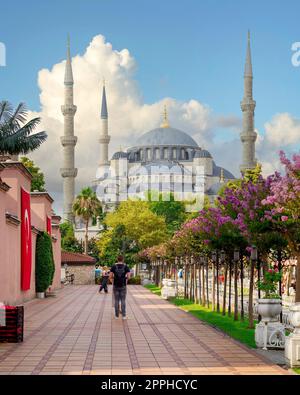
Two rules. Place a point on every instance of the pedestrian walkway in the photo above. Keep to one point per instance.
(74, 333)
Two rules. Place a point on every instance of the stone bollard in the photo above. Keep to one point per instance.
(292, 343)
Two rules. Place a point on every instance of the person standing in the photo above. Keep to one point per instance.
(120, 274)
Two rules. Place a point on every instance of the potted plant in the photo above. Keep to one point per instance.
(270, 306)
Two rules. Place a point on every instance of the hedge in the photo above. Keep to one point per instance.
(44, 262)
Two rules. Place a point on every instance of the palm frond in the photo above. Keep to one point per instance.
(6, 111)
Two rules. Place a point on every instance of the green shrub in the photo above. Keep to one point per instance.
(44, 262)
(135, 280)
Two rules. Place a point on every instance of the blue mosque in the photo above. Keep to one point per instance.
(165, 159)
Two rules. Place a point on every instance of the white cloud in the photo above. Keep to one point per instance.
(129, 117)
(282, 130)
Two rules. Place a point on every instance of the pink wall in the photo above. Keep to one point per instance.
(15, 175)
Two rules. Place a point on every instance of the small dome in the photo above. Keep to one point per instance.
(202, 154)
(119, 155)
(166, 136)
(214, 189)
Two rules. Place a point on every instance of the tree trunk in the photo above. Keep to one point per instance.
(203, 285)
(251, 286)
(242, 289)
(225, 289)
(207, 290)
(218, 284)
(236, 294)
(213, 287)
(297, 299)
(192, 282)
(229, 290)
(86, 238)
(200, 293)
(185, 281)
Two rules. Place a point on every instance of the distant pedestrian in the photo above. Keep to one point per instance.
(120, 274)
(104, 283)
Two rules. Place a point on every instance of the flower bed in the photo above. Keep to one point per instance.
(11, 324)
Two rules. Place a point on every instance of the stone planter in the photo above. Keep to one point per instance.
(294, 317)
(269, 309)
(164, 281)
(269, 332)
(40, 295)
(292, 344)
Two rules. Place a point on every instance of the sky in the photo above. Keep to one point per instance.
(189, 54)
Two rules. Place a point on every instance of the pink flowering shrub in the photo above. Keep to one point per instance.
(269, 284)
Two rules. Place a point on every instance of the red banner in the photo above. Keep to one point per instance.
(26, 244)
(49, 226)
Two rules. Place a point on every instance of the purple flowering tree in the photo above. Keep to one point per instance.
(284, 200)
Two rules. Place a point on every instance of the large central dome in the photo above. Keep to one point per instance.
(166, 136)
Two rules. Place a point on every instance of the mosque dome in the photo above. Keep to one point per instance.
(119, 155)
(202, 154)
(166, 136)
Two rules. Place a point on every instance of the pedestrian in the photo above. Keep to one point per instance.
(120, 274)
(104, 283)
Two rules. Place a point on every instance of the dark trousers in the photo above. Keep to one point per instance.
(104, 286)
(120, 296)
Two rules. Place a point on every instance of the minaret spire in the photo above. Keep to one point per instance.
(248, 63)
(104, 137)
(68, 140)
(68, 70)
(165, 122)
(248, 134)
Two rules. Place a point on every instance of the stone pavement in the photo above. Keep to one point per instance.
(74, 333)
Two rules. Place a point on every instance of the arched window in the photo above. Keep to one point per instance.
(182, 156)
(141, 154)
(166, 153)
(174, 153)
(148, 153)
(157, 153)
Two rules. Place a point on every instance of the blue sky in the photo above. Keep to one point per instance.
(183, 49)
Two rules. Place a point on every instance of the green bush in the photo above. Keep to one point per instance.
(44, 262)
(135, 280)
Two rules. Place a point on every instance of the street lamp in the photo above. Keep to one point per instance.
(254, 253)
(214, 256)
(236, 255)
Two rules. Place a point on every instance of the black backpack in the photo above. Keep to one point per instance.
(120, 275)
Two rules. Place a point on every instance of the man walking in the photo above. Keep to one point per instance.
(120, 274)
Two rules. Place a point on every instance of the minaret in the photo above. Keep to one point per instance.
(104, 137)
(68, 141)
(248, 135)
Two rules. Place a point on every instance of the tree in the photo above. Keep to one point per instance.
(142, 226)
(166, 206)
(15, 133)
(68, 239)
(45, 268)
(114, 242)
(284, 198)
(86, 206)
(38, 181)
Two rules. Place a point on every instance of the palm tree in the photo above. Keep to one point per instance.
(15, 133)
(86, 206)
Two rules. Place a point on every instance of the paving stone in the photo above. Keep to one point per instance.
(76, 334)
